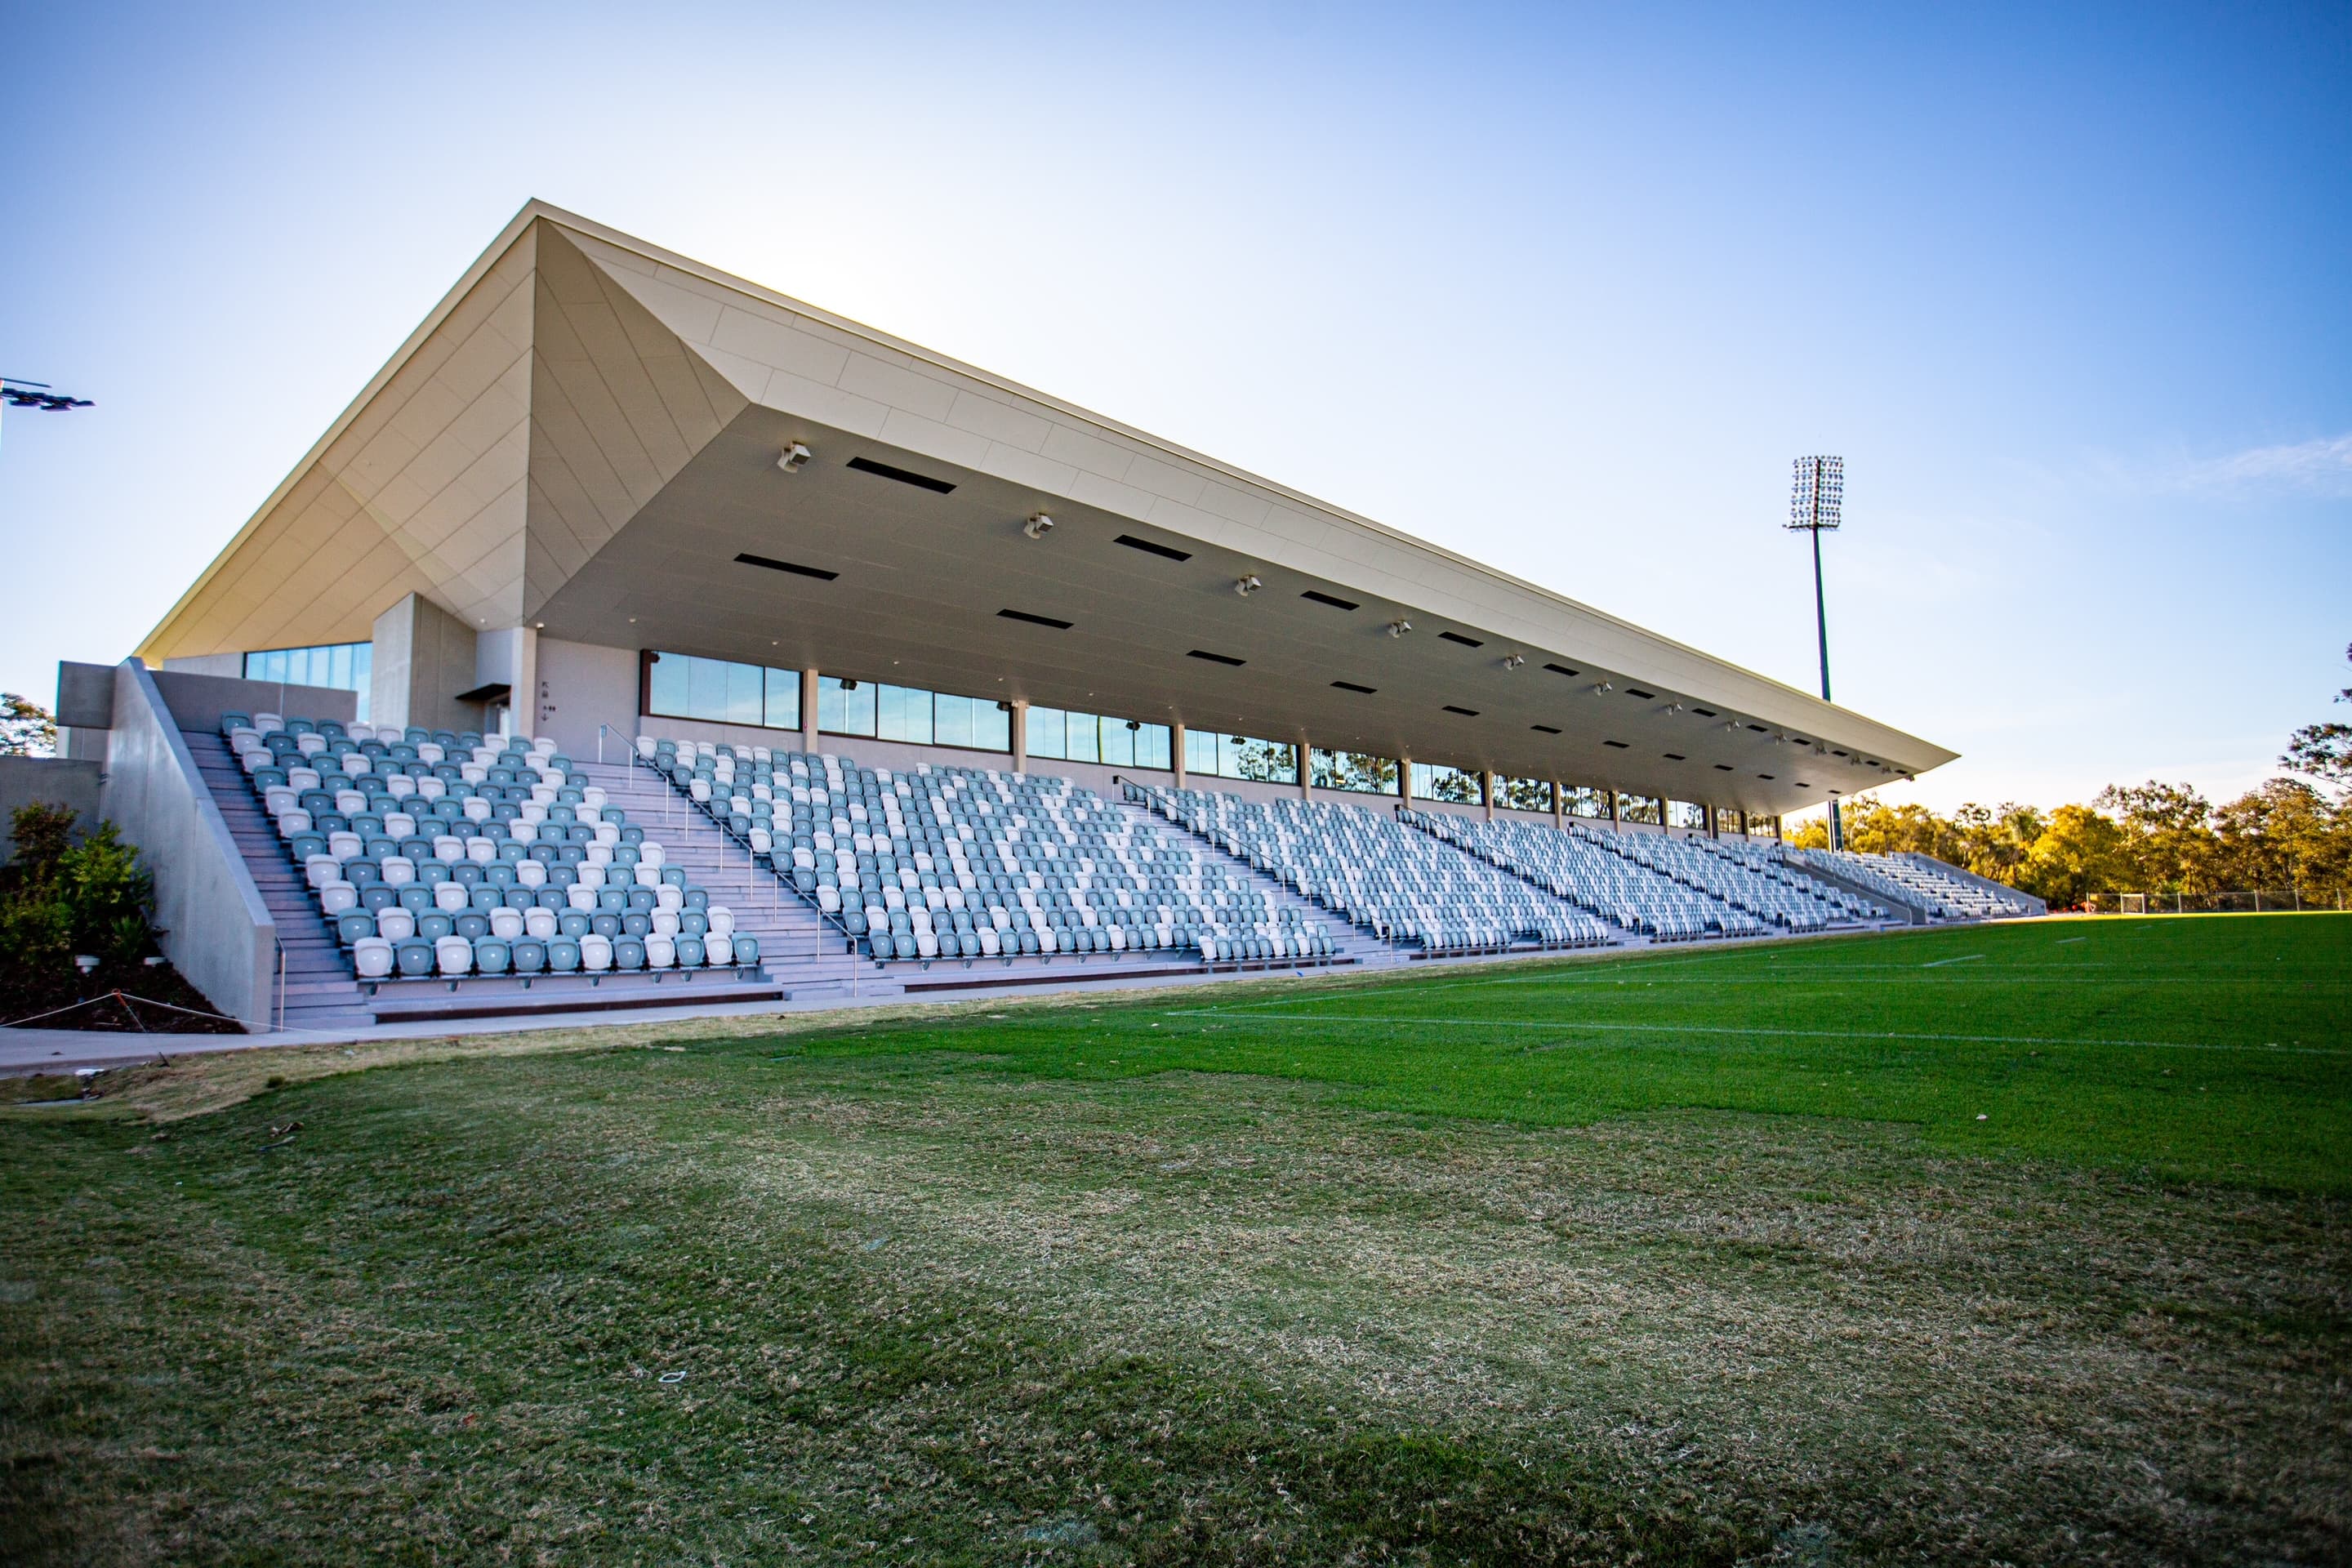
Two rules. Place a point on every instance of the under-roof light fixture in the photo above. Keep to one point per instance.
(1059, 624)
(1039, 526)
(1674, 707)
(794, 458)
(1601, 688)
(1247, 585)
(1399, 627)
(1152, 547)
(795, 568)
(1513, 662)
(903, 476)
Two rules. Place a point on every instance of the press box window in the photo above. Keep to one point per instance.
(686, 686)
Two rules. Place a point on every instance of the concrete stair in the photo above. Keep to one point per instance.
(319, 990)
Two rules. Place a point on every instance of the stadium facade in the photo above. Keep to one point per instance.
(604, 492)
(573, 465)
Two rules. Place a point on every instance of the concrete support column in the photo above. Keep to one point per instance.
(808, 711)
(1776, 831)
(1559, 807)
(1305, 770)
(1743, 824)
(1486, 792)
(1664, 827)
(1176, 752)
(1404, 780)
(1021, 734)
(1612, 809)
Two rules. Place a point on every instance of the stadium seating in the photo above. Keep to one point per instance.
(1595, 875)
(1399, 884)
(965, 863)
(440, 855)
(1944, 897)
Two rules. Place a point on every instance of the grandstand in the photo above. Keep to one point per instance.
(640, 635)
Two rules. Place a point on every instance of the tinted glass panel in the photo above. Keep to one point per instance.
(1435, 781)
(1045, 729)
(782, 699)
(1354, 771)
(342, 667)
(842, 712)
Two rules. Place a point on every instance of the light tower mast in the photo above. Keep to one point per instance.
(1815, 504)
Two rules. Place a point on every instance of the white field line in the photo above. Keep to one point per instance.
(1964, 958)
(1571, 1026)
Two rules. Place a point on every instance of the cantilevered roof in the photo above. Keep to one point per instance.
(583, 437)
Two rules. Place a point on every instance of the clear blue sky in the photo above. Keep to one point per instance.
(2071, 289)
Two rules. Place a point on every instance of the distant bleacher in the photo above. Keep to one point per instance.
(1398, 883)
(1944, 897)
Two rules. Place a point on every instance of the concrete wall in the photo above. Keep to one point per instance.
(197, 701)
(231, 665)
(47, 780)
(216, 928)
(583, 685)
(424, 657)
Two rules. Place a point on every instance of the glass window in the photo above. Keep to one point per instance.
(1435, 781)
(1354, 771)
(952, 720)
(844, 706)
(1523, 795)
(1082, 738)
(1578, 800)
(341, 666)
(1637, 808)
(1200, 753)
(1684, 814)
(782, 701)
(991, 725)
(1045, 732)
(666, 684)
(903, 713)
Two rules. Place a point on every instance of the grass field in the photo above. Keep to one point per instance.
(2024, 1244)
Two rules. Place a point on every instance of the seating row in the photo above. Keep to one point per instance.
(1397, 883)
(516, 864)
(964, 863)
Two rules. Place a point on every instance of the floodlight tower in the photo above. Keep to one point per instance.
(1815, 503)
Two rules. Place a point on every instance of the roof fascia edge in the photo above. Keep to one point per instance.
(516, 227)
(1815, 707)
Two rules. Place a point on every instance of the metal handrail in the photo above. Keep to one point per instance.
(751, 857)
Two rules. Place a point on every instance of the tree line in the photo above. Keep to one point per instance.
(2288, 836)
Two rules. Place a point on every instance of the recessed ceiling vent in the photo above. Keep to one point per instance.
(1636, 691)
(1149, 548)
(1560, 669)
(1723, 767)
(1217, 658)
(1331, 599)
(885, 472)
(1466, 712)
(1760, 729)
(1545, 729)
(1676, 757)
(795, 568)
(1352, 685)
(1618, 745)
(1059, 626)
(1465, 642)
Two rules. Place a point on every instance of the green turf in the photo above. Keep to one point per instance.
(2210, 1049)
(1252, 1275)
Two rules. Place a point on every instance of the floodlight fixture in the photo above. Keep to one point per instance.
(1399, 627)
(1515, 660)
(794, 458)
(1247, 585)
(1039, 526)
